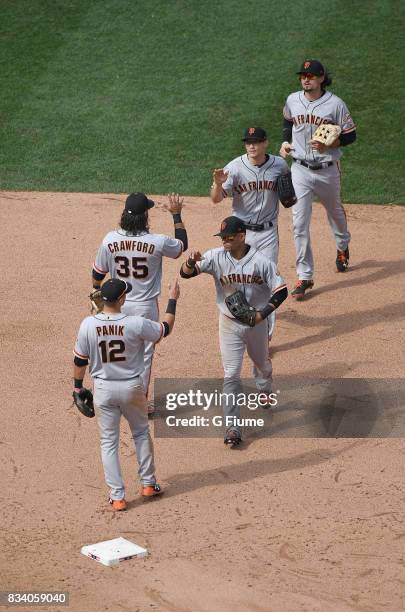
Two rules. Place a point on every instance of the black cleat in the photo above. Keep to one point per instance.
(342, 260)
(303, 285)
(232, 438)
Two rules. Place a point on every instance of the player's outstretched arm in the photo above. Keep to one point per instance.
(97, 278)
(170, 314)
(175, 206)
(79, 371)
(187, 269)
(279, 295)
(219, 177)
(286, 147)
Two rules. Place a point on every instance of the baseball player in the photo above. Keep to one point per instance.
(112, 344)
(239, 266)
(251, 181)
(315, 168)
(133, 253)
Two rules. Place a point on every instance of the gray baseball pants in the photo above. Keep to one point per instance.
(149, 310)
(113, 399)
(325, 185)
(267, 243)
(234, 339)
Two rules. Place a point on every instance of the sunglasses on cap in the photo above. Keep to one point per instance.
(307, 75)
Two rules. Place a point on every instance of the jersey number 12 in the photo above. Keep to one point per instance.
(112, 350)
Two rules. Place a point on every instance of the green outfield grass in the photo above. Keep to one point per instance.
(122, 95)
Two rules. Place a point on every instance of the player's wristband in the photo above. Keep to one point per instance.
(267, 310)
(177, 218)
(190, 263)
(78, 384)
(171, 306)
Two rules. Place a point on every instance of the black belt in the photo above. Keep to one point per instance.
(316, 166)
(258, 227)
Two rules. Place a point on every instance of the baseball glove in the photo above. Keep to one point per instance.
(241, 309)
(326, 133)
(285, 189)
(96, 301)
(83, 400)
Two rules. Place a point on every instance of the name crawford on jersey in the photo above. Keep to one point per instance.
(131, 245)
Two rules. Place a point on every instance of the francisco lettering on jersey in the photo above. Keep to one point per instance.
(110, 330)
(256, 186)
(312, 119)
(131, 245)
(242, 279)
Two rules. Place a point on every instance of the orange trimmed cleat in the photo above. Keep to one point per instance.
(342, 260)
(118, 504)
(300, 288)
(149, 492)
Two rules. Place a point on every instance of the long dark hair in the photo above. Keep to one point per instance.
(134, 224)
(327, 81)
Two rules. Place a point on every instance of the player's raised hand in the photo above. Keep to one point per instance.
(285, 149)
(175, 203)
(174, 289)
(219, 176)
(196, 256)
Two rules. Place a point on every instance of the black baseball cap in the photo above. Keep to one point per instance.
(114, 288)
(254, 134)
(231, 225)
(312, 67)
(138, 203)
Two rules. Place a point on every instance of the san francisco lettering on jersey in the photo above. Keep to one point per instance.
(110, 330)
(255, 186)
(243, 279)
(131, 245)
(312, 119)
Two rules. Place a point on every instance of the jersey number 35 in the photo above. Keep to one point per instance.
(139, 269)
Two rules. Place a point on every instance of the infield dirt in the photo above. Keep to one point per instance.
(282, 524)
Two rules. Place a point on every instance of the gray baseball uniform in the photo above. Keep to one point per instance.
(257, 276)
(114, 346)
(316, 174)
(255, 200)
(138, 259)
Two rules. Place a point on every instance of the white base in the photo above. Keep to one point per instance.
(112, 552)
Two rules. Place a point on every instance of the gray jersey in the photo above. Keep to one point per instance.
(137, 259)
(114, 344)
(255, 274)
(253, 188)
(307, 116)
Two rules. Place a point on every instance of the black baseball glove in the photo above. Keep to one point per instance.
(241, 309)
(286, 191)
(84, 402)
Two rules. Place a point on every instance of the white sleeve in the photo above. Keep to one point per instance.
(206, 264)
(172, 247)
(344, 118)
(274, 279)
(151, 330)
(82, 350)
(101, 262)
